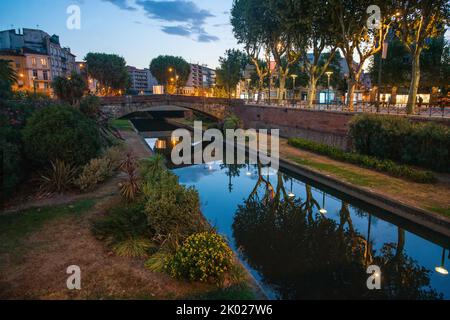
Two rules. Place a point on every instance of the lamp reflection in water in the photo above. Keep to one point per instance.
(160, 144)
(441, 269)
(323, 210)
(248, 173)
(291, 194)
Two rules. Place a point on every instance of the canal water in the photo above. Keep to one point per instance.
(301, 240)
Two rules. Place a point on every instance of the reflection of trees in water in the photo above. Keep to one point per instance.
(305, 255)
(232, 171)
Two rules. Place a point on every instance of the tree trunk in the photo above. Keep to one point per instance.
(400, 243)
(351, 93)
(394, 95)
(312, 87)
(414, 87)
(282, 87)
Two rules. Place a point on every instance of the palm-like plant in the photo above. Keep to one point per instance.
(8, 77)
(7, 73)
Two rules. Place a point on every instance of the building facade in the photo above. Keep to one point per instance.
(32, 68)
(61, 60)
(141, 81)
(201, 77)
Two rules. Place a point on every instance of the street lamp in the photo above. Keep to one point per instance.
(329, 74)
(294, 77)
(34, 84)
(248, 89)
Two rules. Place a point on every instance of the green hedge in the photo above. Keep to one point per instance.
(386, 166)
(399, 139)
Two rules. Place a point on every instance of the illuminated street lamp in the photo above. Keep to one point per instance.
(329, 74)
(294, 77)
(441, 269)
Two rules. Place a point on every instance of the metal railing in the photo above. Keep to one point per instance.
(424, 109)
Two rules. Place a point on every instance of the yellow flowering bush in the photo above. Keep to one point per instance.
(202, 257)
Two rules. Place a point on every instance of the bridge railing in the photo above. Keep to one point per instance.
(168, 99)
(424, 109)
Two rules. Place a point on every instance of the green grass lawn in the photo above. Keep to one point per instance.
(346, 174)
(16, 226)
(236, 292)
(440, 210)
(122, 124)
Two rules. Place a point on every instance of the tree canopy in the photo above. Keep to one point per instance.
(170, 70)
(109, 69)
(7, 78)
(230, 71)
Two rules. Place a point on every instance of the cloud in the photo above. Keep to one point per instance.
(187, 14)
(205, 37)
(122, 4)
(177, 30)
(175, 11)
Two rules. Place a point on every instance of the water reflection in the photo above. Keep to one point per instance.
(320, 258)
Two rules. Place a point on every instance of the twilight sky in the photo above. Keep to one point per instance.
(138, 30)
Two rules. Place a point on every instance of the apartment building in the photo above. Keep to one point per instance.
(61, 60)
(32, 68)
(142, 80)
(201, 77)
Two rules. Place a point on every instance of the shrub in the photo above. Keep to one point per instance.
(123, 223)
(60, 132)
(90, 106)
(399, 139)
(134, 248)
(231, 122)
(386, 166)
(130, 188)
(60, 177)
(203, 257)
(95, 172)
(173, 209)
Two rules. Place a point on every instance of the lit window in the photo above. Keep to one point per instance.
(43, 61)
(33, 61)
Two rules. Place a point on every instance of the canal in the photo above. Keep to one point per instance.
(300, 240)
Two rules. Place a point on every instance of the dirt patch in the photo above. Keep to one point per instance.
(41, 272)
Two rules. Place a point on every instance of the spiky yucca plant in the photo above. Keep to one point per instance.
(134, 248)
(59, 178)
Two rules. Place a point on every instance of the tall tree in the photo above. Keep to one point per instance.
(356, 38)
(230, 71)
(283, 37)
(315, 17)
(7, 78)
(170, 70)
(248, 28)
(419, 21)
(110, 70)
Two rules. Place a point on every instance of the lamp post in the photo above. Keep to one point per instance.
(248, 89)
(329, 74)
(323, 210)
(384, 48)
(294, 77)
(34, 85)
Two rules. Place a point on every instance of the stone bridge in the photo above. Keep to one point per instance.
(218, 108)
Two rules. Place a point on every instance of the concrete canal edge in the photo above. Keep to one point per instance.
(427, 219)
